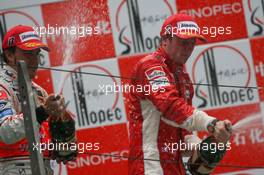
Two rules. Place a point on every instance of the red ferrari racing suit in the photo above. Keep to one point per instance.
(156, 119)
(14, 157)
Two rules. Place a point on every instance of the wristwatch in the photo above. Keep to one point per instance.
(211, 126)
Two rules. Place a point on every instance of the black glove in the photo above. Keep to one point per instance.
(41, 114)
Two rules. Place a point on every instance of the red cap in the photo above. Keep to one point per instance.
(23, 37)
(183, 26)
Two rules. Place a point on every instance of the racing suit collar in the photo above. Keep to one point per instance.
(161, 54)
(11, 72)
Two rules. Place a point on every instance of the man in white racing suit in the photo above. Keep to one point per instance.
(55, 124)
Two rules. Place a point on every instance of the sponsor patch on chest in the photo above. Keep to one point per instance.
(157, 77)
(155, 72)
(159, 82)
(3, 95)
(6, 112)
(2, 105)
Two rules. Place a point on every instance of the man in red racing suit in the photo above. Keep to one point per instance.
(21, 43)
(158, 119)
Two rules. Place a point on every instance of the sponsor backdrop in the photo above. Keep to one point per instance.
(116, 35)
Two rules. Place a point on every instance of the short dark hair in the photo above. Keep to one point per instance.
(10, 49)
(164, 37)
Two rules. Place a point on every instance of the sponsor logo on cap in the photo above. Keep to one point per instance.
(33, 44)
(187, 25)
(31, 35)
(11, 41)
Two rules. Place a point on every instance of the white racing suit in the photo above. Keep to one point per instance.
(14, 157)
